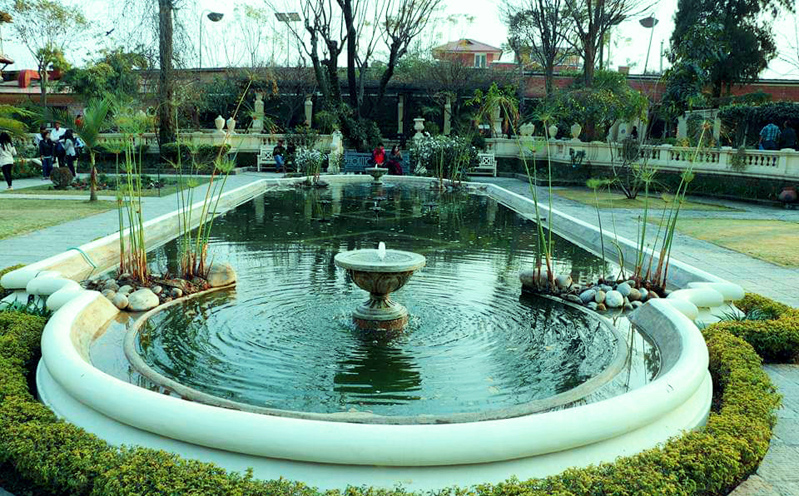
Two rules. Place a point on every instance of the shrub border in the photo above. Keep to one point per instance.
(40, 453)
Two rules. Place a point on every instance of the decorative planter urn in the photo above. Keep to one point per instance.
(219, 122)
(576, 129)
(553, 131)
(418, 126)
(788, 195)
(527, 129)
(231, 125)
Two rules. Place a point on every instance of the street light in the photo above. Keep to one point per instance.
(287, 17)
(213, 17)
(649, 23)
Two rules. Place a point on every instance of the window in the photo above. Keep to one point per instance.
(480, 60)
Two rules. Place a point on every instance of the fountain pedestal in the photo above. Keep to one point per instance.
(380, 276)
(377, 174)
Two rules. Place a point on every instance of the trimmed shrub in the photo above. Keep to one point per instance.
(774, 340)
(766, 307)
(54, 457)
(61, 177)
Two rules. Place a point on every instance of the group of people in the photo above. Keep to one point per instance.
(57, 145)
(393, 162)
(774, 138)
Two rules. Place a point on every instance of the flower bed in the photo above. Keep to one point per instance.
(41, 454)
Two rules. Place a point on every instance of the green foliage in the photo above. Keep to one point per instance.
(731, 41)
(326, 121)
(609, 100)
(776, 340)
(744, 121)
(770, 308)
(202, 155)
(114, 72)
(738, 161)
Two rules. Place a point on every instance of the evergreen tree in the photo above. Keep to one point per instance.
(731, 40)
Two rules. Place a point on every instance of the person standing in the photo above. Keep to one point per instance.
(46, 146)
(787, 136)
(769, 136)
(70, 151)
(7, 152)
(57, 137)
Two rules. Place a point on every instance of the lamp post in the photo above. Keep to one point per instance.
(287, 17)
(213, 17)
(649, 23)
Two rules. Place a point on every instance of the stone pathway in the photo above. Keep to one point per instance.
(53, 240)
(778, 474)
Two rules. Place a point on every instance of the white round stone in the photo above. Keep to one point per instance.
(221, 274)
(142, 300)
(614, 299)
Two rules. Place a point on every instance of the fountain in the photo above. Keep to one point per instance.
(380, 272)
(377, 174)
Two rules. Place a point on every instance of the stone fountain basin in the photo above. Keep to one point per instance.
(370, 261)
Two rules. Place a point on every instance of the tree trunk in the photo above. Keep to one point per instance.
(588, 65)
(549, 78)
(166, 127)
(43, 76)
(352, 47)
(93, 178)
(393, 57)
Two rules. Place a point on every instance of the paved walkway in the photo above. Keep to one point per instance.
(777, 475)
(50, 241)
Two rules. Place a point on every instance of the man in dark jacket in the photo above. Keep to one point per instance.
(787, 137)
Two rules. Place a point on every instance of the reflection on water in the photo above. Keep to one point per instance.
(284, 338)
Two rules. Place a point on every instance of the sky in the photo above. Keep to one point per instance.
(476, 19)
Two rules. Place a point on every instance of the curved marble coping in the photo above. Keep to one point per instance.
(558, 400)
(370, 261)
(367, 444)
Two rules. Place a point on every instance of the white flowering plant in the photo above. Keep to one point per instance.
(443, 156)
(309, 162)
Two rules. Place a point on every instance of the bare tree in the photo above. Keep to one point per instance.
(540, 28)
(591, 20)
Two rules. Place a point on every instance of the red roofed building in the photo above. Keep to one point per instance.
(468, 52)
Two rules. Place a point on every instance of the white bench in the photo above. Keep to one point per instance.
(265, 159)
(486, 165)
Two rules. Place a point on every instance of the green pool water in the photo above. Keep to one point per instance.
(284, 338)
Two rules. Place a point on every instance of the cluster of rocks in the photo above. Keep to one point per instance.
(601, 296)
(127, 294)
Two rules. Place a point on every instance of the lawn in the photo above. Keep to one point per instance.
(615, 200)
(774, 241)
(47, 189)
(20, 216)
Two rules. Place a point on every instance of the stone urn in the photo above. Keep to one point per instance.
(219, 122)
(788, 195)
(576, 129)
(553, 131)
(380, 272)
(418, 126)
(231, 125)
(527, 130)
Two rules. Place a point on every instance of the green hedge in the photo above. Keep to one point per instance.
(775, 337)
(42, 455)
